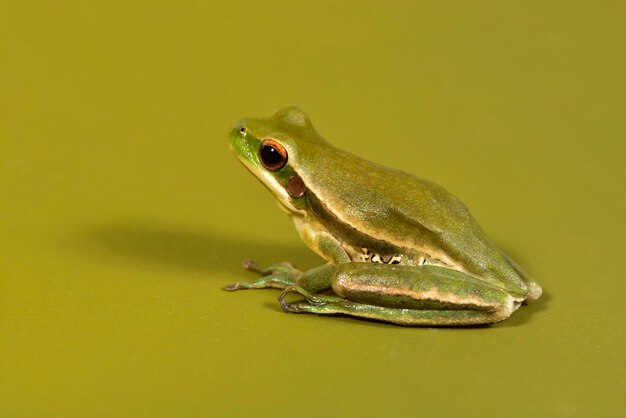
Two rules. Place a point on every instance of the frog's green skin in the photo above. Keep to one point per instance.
(398, 248)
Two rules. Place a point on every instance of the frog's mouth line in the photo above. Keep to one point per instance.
(271, 184)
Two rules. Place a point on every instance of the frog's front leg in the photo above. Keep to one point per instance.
(278, 276)
(408, 295)
(284, 275)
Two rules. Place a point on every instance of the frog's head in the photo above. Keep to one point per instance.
(270, 148)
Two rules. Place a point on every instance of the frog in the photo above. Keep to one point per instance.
(396, 248)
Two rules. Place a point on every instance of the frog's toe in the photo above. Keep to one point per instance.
(285, 267)
(286, 306)
(251, 265)
(233, 286)
(274, 281)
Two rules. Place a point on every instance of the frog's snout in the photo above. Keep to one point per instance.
(237, 136)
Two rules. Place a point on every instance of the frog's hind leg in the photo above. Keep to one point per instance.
(409, 317)
(409, 295)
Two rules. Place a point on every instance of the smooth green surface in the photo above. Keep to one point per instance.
(123, 212)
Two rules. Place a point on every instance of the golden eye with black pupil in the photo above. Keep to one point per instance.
(272, 155)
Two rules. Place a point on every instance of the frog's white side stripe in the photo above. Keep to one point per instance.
(434, 255)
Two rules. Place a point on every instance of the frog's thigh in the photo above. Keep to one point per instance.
(317, 279)
(417, 295)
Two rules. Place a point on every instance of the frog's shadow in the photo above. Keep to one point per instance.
(204, 252)
(191, 250)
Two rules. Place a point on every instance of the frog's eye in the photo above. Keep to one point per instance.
(272, 155)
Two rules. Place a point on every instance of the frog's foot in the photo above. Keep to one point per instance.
(311, 300)
(284, 267)
(278, 276)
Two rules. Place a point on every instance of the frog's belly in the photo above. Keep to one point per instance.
(415, 258)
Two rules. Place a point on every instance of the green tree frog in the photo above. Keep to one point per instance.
(397, 248)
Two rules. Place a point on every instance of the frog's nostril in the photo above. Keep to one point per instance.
(242, 129)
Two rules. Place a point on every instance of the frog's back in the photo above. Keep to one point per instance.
(395, 206)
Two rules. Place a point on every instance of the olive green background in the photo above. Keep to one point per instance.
(124, 212)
